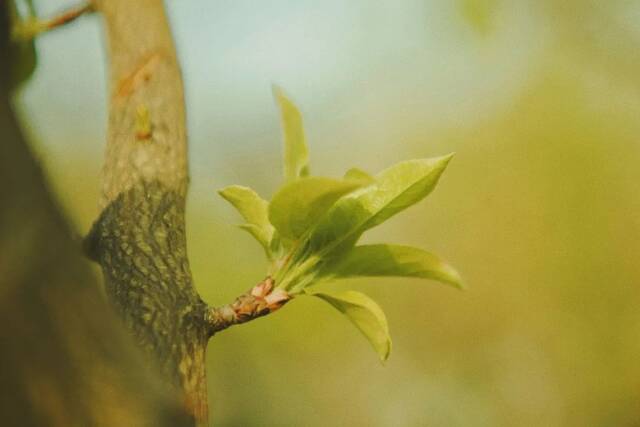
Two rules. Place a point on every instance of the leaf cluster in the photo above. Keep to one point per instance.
(311, 227)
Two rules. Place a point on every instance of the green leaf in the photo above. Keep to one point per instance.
(365, 314)
(254, 210)
(359, 175)
(300, 204)
(394, 190)
(296, 156)
(393, 260)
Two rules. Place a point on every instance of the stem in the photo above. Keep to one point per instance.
(139, 237)
(259, 301)
(32, 26)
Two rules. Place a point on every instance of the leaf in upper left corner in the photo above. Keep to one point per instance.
(254, 210)
(22, 50)
(296, 155)
(365, 314)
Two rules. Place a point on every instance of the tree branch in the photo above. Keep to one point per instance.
(65, 359)
(259, 301)
(144, 75)
(139, 237)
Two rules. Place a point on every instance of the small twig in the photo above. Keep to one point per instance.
(32, 27)
(259, 301)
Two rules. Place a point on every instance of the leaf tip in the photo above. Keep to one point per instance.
(278, 93)
(384, 356)
(440, 164)
(455, 280)
(447, 158)
(459, 283)
(225, 192)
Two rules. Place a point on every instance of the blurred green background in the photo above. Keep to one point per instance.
(539, 211)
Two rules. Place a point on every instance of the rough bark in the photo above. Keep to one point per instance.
(139, 241)
(139, 237)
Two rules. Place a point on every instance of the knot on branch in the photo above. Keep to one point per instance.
(259, 301)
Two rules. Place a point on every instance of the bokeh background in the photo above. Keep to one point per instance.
(540, 209)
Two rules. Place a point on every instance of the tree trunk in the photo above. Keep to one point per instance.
(91, 372)
(139, 237)
(66, 359)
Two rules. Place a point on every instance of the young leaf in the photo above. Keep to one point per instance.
(394, 190)
(365, 314)
(301, 203)
(296, 156)
(359, 175)
(392, 260)
(254, 210)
